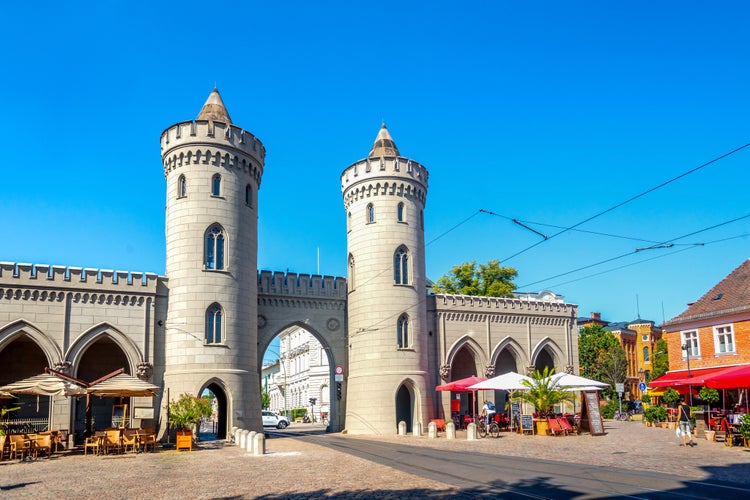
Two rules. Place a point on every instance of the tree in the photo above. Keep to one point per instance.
(543, 393)
(659, 360)
(601, 357)
(487, 280)
(614, 368)
(265, 400)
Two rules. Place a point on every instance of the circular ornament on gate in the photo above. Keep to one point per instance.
(333, 324)
(261, 321)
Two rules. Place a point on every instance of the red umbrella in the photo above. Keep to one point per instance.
(461, 385)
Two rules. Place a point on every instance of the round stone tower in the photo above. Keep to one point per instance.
(389, 377)
(213, 171)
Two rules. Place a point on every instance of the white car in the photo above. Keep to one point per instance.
(270, 419)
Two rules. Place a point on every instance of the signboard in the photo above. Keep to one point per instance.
(594, 417)
(338, 378)
(642, 386)
(527, 423)
(515, 414)
(620, 387)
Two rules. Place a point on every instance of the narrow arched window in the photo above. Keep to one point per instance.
(213, 324)
(181, 187)
(215, 247)
(249, 195)
(402, 331)
(348, 222)
(350, 279)
(401, 266)
(370, 213)
(216, 185)
(646, 354)
(400, 212)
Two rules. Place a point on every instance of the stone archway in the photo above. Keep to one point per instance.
(404, 406)
(22, 357)
(221, 409)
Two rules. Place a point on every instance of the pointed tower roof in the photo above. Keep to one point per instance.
(214, 109)
(384, 145)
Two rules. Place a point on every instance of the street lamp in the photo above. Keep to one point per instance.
(284, 385)
(686, 348)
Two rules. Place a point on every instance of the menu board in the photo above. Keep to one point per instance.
(515, 414)
(527, 423)
(596, 425)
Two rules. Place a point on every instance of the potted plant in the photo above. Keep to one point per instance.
(3, 428)
(709, 396)
(543, 393)
(184, 415)
(745, 428)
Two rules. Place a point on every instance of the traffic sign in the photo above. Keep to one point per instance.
(339, 370)
(642, 386)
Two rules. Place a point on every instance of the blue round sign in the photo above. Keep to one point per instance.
(642, 386)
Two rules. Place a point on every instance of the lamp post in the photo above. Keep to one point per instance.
(284, 385)
(687, 349)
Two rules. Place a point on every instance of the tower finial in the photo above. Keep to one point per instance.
(384, 145)
(214, 108)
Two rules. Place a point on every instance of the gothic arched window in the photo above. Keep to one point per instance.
(400, 212)
(350, 279)
(370, 213)
(401, 266)
(646, 354)
(215, 248)
(181, 187)
(402, 331)
(216, 185)
(213, 324)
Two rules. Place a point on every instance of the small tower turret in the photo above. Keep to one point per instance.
(388, 381)
(213, 171)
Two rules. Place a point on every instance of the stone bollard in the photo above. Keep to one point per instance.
(432, 430)
(416, 429)
(236, 436)
(250, 444)
(402, 428)
(450, 430)
(243, 438)
(471, 432)
(231, 433)
(259, 446)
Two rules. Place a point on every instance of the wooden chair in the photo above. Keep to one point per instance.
(20, 446)
(130, 440)
(43, 445)
(94, 442)
(147, 440)
(566, 426)
(112, 441)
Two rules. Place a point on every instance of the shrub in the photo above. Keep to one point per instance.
(608, 410)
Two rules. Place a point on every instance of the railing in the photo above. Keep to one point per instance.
(25, 425)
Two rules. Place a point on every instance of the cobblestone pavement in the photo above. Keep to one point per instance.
(295, 469)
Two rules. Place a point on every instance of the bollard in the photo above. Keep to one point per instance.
(249, 445)
(417, 429)
(259, 448)
(233, 433)
(402, 428)
(471, 432)
(243, 438)
(432, 430)
(450, 430)
(236, 437)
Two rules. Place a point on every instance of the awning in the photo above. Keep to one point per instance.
(730, 378)
(461, 385)
(679, 378)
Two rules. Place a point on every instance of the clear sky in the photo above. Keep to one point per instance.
(546, 112)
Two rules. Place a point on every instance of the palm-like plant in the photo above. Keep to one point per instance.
(544, 393)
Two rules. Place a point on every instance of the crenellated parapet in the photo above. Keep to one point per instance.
(37, 276)
(522, 304)
(301, 285)
(214, 143)
(395, 176)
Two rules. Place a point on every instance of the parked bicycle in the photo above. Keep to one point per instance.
(493, 429)
(622, 415)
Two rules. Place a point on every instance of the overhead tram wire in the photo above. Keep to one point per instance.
(637, 250)
(633, 198)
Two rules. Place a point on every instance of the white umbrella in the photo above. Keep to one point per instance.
(575, 382)
(122, 386)
(46, 384)
(510, 381)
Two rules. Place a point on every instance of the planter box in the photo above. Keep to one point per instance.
(542, 427)
(710, 435)
(184, 441)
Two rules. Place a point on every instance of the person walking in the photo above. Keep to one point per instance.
(685, 423)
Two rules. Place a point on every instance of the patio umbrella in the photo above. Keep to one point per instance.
(461, 385)
(510, 381)
(574, 382)
(122, 386)
(47, 384)
(6, 395)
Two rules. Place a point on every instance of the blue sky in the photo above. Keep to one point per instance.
(546, 112)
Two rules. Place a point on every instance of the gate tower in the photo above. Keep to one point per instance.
(384, 197)
(213, 171)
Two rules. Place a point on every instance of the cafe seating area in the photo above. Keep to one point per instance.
(118, 441)
(32, 445)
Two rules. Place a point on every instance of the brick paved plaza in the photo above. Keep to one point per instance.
(292, 468)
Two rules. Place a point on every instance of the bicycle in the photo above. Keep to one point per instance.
(622, 415)
(493, 429)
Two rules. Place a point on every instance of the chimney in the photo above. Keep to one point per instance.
(596, 315)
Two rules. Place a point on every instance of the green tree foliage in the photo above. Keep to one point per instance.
(265, 400)
(543, 393)
(187, 411)
(659, 360)
(601, 357)
(487, 280)
(671, 396)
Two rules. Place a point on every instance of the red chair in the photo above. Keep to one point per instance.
(554, 427)
(565, 425)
